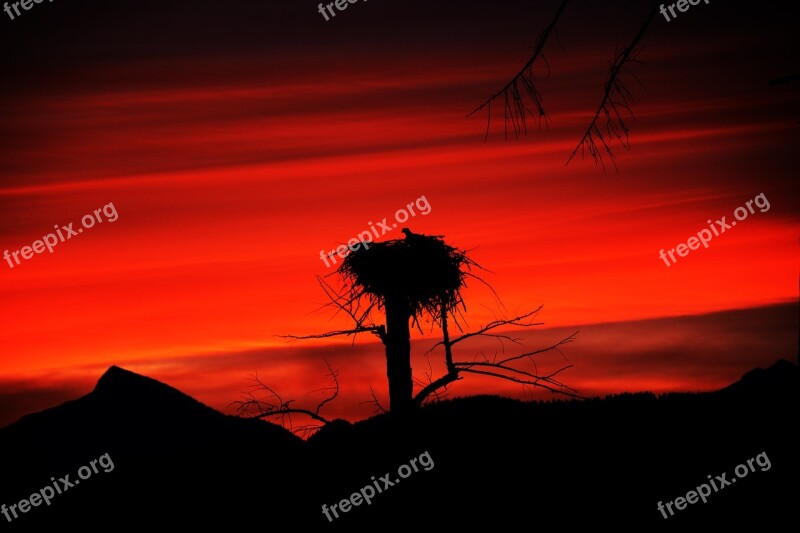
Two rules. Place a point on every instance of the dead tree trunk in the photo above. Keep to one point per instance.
(398, 353)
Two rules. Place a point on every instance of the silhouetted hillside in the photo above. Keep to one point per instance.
(494, 462)
(166, 448)
(776, 380)
(512, 464)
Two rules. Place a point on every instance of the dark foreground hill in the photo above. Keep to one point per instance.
(481, 461)
(174, 459)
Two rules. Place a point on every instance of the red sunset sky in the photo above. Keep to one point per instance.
(237, 142)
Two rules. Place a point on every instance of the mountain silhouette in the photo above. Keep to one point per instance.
(776, 379)
(497, 462)
(165, 446)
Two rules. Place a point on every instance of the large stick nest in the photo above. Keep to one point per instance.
(424, 270)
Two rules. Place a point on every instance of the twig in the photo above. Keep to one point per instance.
(515, 111)
(616, 100)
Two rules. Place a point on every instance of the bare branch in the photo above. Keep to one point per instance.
(378, 407)
(272, 405)
(499, 368)
(617, 99)
(377, 330)
(559, 387)
(452, 374)
(514, 93)
(349, 303)
(516, 321)
(556, 346)
(335, 388)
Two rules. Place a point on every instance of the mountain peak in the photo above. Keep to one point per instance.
(116, 374)
(117, 378)
(781, 376)
(121, 387)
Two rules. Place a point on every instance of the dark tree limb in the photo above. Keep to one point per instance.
(377, 330)
(514, 93)
(273, 405)
(520, 321)
(616, 102)
(452, 373)
(550, 385)
(609, 121)
(350, 305)
(379, 409)
(499, 368)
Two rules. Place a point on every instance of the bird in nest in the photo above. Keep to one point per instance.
(418, 237)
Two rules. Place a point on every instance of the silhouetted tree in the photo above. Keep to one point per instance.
(406, 277)
(415, 276)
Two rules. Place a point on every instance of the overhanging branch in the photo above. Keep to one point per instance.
(513, 94)
(616, 101)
